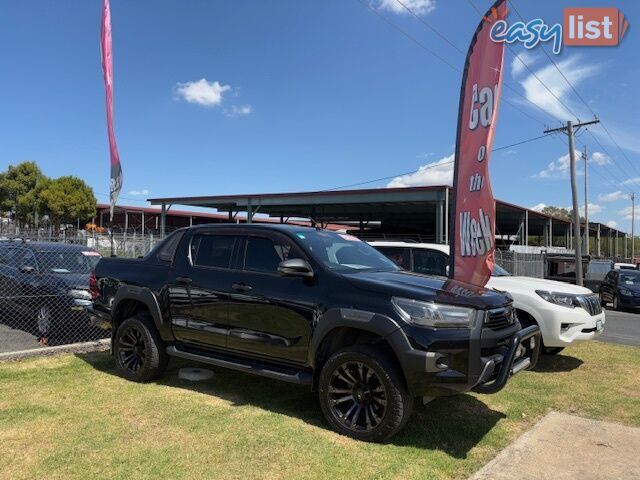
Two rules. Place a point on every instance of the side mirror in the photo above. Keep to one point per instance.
(295, 267)
(27, 269)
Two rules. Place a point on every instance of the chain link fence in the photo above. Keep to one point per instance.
(521, 264)
(44, 285)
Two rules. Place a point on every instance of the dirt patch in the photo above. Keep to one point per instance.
(566, 447)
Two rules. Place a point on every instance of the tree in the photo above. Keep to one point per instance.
(17, 183)
(67, 199)
(560, 212)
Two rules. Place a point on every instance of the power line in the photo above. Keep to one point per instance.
(428, 167)
(575, 91)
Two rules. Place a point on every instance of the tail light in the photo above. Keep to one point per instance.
(93, 286)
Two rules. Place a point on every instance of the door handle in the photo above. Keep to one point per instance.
(241, 287)
(185, 280)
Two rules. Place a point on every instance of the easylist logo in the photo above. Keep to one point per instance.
(585, 27)
(601, 27)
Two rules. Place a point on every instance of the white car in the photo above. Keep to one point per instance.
(564, 312)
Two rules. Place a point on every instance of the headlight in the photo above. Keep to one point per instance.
(625, 291)
(79, 294)
(563, 299)
(429, 314)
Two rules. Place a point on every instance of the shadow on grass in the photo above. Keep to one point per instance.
(557, 363)
(453, 425)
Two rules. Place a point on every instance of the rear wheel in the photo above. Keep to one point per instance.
(139, 351)
(363, 395)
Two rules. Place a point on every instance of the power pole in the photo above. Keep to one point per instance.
(569, 130)
(633, 235)
(586, 204)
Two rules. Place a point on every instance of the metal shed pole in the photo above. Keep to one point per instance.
(598, 241)
(163, 219)
(526, 228)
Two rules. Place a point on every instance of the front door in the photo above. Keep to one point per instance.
(271, 315)
(199, 289)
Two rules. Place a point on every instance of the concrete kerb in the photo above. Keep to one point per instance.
(83, 347)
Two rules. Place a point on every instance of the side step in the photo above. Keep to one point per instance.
(301, 378)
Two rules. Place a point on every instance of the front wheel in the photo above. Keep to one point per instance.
(602, 302)
(363, 395)
(615, 304)
(139, 351)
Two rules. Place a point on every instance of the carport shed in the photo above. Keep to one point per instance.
(417, 212)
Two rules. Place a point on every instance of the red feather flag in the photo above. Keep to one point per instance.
(474, 209)
(115, 184)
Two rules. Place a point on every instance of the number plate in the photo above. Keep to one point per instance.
(599, 325)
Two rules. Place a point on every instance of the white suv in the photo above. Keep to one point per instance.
(565, 313)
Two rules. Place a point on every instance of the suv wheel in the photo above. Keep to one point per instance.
(139, 351)
(362, 394)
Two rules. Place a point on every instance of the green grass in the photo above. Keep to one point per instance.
(71, 417)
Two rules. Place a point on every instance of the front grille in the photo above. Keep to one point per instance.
(499, 318)
(591, 303)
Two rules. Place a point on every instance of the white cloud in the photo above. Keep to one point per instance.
(576, 72)
(144, 191)
(631, 181)
(510, 152)
(557, 169)
(626, 213)
(600, 158)
(436, 173)
(539, 207)
(517, 65)
(425, 155)
(612, 224)
(239, 111)
(594, 209)
(420, 7)
(202, 92)
(612, 197)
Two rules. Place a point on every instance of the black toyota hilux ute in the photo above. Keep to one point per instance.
(310, 307)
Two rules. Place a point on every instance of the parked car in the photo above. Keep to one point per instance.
(621, 288)
(565, 313)
(625, 266)
(311, 307)
(45, 285)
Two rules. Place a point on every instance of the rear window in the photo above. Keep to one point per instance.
(167, 249)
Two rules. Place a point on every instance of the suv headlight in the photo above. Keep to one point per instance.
(563, 299)
(79, 294)
(429, 314)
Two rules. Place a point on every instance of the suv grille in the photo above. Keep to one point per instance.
(499, 318)
(591, 303)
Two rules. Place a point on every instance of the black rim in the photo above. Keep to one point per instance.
(131, 349)
(357, 396)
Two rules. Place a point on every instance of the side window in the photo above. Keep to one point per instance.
(265, 254)
(212, 250)
(401, 256)
(169, 247)
(430, 262)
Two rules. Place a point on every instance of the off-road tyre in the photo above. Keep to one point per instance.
(139, 352)
(371, 377)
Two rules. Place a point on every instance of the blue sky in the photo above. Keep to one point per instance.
(215, 97)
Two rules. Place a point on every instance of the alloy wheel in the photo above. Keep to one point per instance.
(132, 349)
(357, 396)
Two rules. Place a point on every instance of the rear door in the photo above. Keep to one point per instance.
(199, 287)
(271, 315)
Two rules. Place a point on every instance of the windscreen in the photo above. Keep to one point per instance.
(498, 271)
(75, 261)
(630, 279)
(343, 253)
